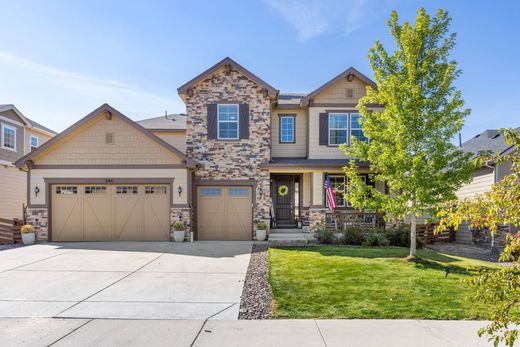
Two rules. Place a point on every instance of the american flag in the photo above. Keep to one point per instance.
(331, 199)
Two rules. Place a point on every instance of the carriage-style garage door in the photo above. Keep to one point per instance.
(110, 212)
(224, 213)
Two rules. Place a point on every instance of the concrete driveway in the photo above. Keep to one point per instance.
(124, 280)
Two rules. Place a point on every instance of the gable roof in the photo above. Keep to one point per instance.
(227, 61)
(27, 122)
(489, 140)
(344, 74)
(105, 107)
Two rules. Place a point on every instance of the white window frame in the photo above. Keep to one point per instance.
(350, 127)
(346, 129)
(37, 142)
(228, 121)
(346, 203)
(3, 137)
(293, 118)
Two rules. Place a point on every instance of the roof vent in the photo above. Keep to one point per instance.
(350, 93)
(109, 138)
(497, 135)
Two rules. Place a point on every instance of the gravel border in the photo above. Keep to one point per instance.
(256, 302)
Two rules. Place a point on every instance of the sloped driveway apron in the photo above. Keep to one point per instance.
(124, 280)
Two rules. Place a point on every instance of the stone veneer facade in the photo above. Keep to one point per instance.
(238, 159)
(183, 214)
(38, 217)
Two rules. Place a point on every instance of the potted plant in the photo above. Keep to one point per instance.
(178, 231)
(261, 231)
(28, 236)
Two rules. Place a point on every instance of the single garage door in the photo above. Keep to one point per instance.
(110, 212)
(224, 213)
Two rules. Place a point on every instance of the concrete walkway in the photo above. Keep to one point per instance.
(123, 280)
(286, 333)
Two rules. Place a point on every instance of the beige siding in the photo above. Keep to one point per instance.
(307, 189)
(13, 192)
(482, 181)
(42, 138)
(87, 146)
(176, 139)
(285, 150)
(337, 93)
(315, 150)
(179, 179)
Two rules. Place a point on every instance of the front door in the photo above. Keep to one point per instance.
(283, 201)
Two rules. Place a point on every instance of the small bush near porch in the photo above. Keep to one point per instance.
(362, 282)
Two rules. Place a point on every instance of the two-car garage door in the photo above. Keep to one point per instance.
(110, 212)
(224, 213)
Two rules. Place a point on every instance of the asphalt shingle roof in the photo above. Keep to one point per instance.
(171, 121)
(490, 140)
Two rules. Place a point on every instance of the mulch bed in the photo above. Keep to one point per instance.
(257, 298)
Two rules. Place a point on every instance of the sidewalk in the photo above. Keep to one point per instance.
(300, 333)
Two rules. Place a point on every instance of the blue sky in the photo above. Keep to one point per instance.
(61, 59)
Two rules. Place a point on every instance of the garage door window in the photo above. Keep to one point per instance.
(95, 190)
(211, 191)
(61, 190)
(238, 191)
(155, 190)
(126, 190)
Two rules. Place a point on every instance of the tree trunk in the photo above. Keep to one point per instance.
(413, 236)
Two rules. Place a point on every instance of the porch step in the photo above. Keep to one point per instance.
(289, 237)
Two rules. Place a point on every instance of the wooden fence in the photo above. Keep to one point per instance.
(10, 230)
(426, 234)
(350, 219)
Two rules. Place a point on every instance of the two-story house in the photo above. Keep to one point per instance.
(18, 136)
(243, 153)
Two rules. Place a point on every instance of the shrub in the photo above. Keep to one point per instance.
(178, 226)
(353, 236)
(27, 228)
(375, 239)
(261, 226)
(324, 234)
(400, 237)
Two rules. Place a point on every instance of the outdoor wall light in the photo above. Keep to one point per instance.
(179, 190)
(36, 190)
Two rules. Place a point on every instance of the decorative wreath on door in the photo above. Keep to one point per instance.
(283, 190)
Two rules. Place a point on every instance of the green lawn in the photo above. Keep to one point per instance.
(359, 282)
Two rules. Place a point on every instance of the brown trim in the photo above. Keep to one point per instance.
(105, 166)
(228, 63)
(348, 105)
(280, 116)
(166, 130)
(303, 166)
(287, 106)
(105, 107)
(350, 71)
(212, 182)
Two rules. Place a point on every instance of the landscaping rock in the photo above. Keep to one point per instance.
(257, 298)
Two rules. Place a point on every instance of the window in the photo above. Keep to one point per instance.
(68, 190)
(287, 129)
(95, 190)
(338, 128)
(157, 190)
(126, 190)
(34, 142)
(8, 137)
(227, 121)
(238, 191)
(339, 187)
(109, 138)
(356, 129)
(210, 191)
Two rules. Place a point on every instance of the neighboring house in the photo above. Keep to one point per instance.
(488, 142)
(247, 150)
(18, 136)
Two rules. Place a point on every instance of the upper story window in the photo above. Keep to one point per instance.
(35, 142)
(8, 137)
(355, 128)
(227, 121)
(338, 128)
(287, 124)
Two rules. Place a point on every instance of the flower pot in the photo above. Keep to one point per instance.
(28, 238)
(178, 236)
(261, 235)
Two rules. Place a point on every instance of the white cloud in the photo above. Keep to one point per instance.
(57, 98)
(312, 18)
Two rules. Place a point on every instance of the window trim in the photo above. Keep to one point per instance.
(4, 126)
(228, 121)
(346, 203)
(37, 142)
(280, 117)
(347, 129)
